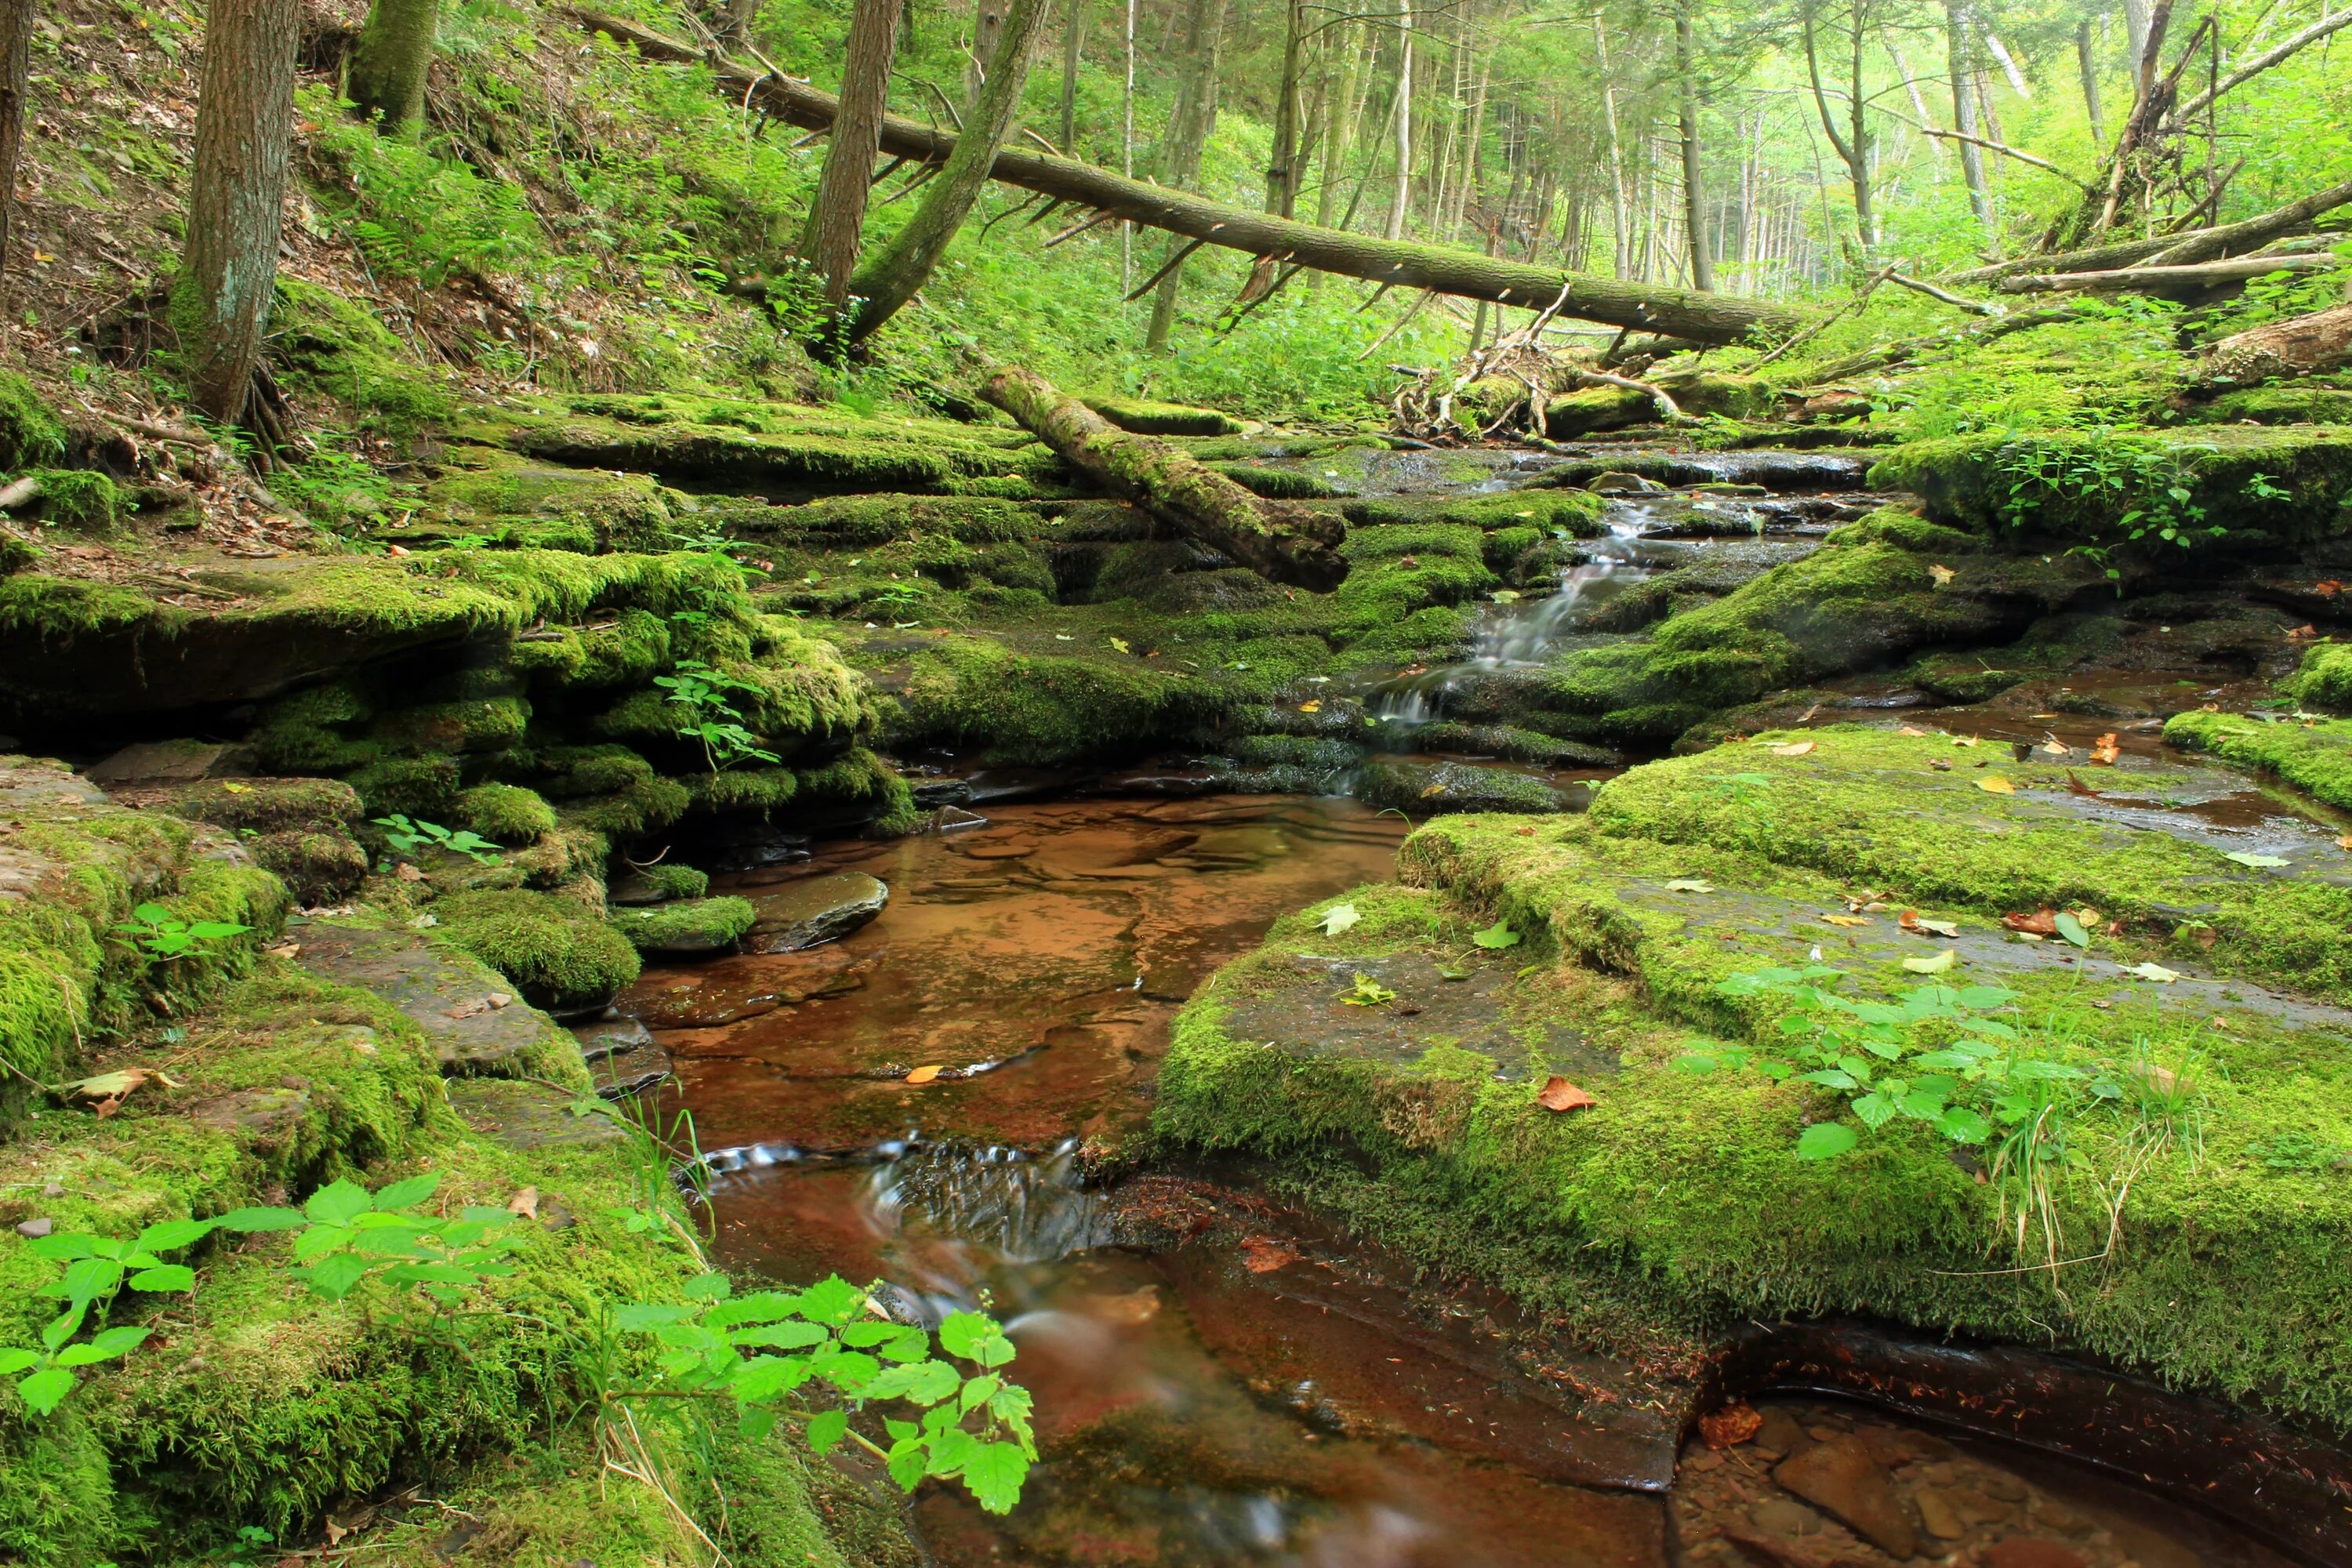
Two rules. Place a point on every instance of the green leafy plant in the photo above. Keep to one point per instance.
(2153, 484)
(754, 1353)
(98, 1269)
(161, 935)
(348, 1235)
(711, 717)
(1367, 993)
(406, 836)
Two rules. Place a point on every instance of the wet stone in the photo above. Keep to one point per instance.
(1842, 1478)
(611, 1036)
(260, 1119)
(523, 1115)
(2023, 1552)
(164, 761)
(1936, 1513)
(815, 909)
(730, 991)
(1782, 1516)
(446, 993)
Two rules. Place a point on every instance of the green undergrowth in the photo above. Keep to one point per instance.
(1677, 1206)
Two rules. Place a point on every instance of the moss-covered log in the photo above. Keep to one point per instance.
(1645, 307)
(2307, 345)
(1279, 540)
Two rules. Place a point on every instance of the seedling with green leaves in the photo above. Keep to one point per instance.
(161, 935)
(348, 1236)
(407, 835)
(98, 1269)
(711, 717)
(753, 1350)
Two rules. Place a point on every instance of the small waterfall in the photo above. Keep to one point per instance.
(1023, 1208)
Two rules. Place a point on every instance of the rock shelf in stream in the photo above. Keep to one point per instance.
(1680, 1191)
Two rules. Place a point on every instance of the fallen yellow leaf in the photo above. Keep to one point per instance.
(1793, 749)
(1993, 783)
(1965, 739)
(923, 1074)
(1561, 1095)
(1316, 706)
(2055, 747)
(1845, 920)
(1942, 575)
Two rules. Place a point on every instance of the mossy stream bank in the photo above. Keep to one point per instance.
(629, 641)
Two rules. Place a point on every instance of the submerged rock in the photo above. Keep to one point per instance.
(815, 909)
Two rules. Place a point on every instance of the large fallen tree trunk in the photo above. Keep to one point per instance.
(2169, 249)
(2166, 280)
(1677, 313)
(1278, 540)
(2307, 345)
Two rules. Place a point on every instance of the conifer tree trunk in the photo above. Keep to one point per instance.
(1621, 211)
(889, 279)
(392, 59)
(830, 243)
(987, 29)
(1702, 260)
(244, 117)
(16, 69)
(1282, 169)
(1073, 37)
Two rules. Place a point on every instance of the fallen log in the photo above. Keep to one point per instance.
(1278, 540)
(2307, 345)
(2166, 280)
(2167, 249)
(1677, 313)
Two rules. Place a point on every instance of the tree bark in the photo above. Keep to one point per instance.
(837, 217)
(1278, 540)
(987, 28)
(1282, 167)
(16, 70)
(1961, 53)
(2307, 345)
(1402, 196)
(1675, 312)
(1621, 209)
(392, 59)
(1189, 122)
(2087, 61)
(888, 280)
(2165, 280)
(244, 118)
(1702, 260)
(1074, 34)
(1852, 147)
(2208, 244)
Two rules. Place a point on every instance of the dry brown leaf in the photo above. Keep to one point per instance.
(2055, 747)
(1731, 1425)
(1561, 1095)
(2076, 787)
(1793, 749)
(2328, 589)
(2304, 632)
(2042, 922)
(1911, 729)
(285, 950)
(2106, 749)
(524, 1202)
(1845, 920)
(1436, 789)
(923, 1074)
(1967, 740)
(1264, 1254)
(2345, 842)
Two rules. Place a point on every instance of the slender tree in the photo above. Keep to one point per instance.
(244, 117)
(1073, 37)
(1851, 145)
(1621, 210)
(2087, 62)
(830, 242)
(1702, 260)
(392, 59)
(987, 28)
(1960, 54)
(1403, 118)
(15, 72)
(889, 278)
(1284, 167)
(1189, 122)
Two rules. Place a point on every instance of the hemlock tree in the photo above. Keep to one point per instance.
(830, 243)
(1189, 122)
(889, 278)
(16, 69)
(244, 118)
(391, 57)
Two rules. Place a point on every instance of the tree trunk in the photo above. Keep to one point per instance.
(2172, 281)
(2208, 244)
(392, 59)
(2307, 345)
(1851, 148)
(1074, 34)
(1702, 263)
(1621, 209)
(837, 217)
(1404, 193)
(2087, 61)
(1960, 51)
(1282, 168)
(244, 118)
(1708, 318)
(1189, 122)
(987, 28)
(1339, 126)
(1281, 540)
(16, 69)
(888, 280)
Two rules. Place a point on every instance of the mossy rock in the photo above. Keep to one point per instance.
(641, 885)
(1676, 1203)
(31, 434)
(1142, 416)
(2314, 755)
(1431, 788)
(504, 814)
(556, 952)
(269, 804)
(2287, 404)
(80, 500)
(2324, 680)
(1276, 484)
(2260, 487)
(686, 926)
(331, 346)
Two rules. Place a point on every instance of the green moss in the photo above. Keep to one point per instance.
(2324, 680)
(2288, 405)
(676, 881)
(741, 789)
(56, 1494)
(30, 432)
(422, 787)
(2313, 756)
(81, 499)
(685, 925)
(1578, 513)
(269, 804)
(557, 954)
(483, 724)
(504, 814)
(337, 348)
(1143, 416)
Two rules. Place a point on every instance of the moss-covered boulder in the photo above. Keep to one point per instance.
(2238, 486)
(2324, 680)
(558, 954)
(2312, 755)
(686, 926)
(1142, 416)
(1652, 955)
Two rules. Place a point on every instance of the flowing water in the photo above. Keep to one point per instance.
(1267, 1393)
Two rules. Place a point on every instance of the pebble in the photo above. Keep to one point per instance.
(2023, 1552)
(2002, 1485)
(1703, 1460)
(34, 1229)
(53, 1189)
(1841, 1478)
(1782, 1516)
(2058, 1516)
(1935, 1511)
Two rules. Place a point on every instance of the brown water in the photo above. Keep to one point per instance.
(1267, 1393)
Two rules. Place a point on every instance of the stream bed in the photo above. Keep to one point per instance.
(1220, 1380)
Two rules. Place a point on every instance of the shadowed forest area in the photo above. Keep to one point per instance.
(1106, 784)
